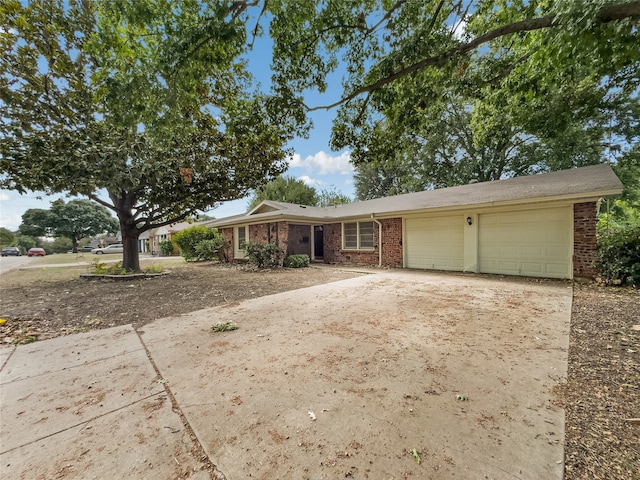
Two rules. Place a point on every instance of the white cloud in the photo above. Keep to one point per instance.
(310, 181)
(323, 163)
(4, 197)
(10, 221)
(460, 30)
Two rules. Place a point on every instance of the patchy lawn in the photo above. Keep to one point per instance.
(62, 303)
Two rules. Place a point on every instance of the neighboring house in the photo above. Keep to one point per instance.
(539, 226)
(157, 235)
(143, 242)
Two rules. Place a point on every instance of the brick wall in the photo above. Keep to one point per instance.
(259, 233)
(391, 245)
(392, 242)
(227, 234)
(584, 239)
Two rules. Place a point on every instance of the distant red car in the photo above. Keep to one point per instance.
(36, 252)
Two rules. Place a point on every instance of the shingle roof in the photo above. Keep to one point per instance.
(579, 184)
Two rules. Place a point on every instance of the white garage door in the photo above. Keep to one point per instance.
(435, 242)
(534, 243)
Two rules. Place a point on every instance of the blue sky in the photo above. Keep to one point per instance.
(313, 160)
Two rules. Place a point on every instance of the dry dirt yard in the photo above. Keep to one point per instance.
(601, 397)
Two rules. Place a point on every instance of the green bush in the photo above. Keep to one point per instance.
(297, 261)
(154, 269)
(618, 256)
(166, 247)
(263, 255)
(101, 268)
(188, 239)
(208, 249)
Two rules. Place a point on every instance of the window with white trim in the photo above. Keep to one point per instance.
(357, 236)
(242, 237)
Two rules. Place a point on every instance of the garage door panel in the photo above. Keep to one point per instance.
(508, 267)
(532, 243)
(529, 251)
(558, 252)
(532, 267)
(557, 269)
(507, 251)
(435, 243)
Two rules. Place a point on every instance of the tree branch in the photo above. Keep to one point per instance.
(255, 29)
(608, 14)
(102, 202)
(386, 17)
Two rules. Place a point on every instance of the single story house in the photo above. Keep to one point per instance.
(539, 226)
(157, 235)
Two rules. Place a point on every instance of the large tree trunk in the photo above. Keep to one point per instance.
(123, 202)
(130, 257)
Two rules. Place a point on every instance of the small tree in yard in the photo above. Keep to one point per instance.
(199, 243)
(166, 247)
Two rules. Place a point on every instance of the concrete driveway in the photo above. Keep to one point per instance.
(398, 374)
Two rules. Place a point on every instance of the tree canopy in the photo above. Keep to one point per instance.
(7, 238)
(285, 189)
(148, 100)
(437, 93)
(293, 190)
(152, 102)
(74, 220)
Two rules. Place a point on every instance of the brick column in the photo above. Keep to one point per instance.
(584, 239)
(392, 242)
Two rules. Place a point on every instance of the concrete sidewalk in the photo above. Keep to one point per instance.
(342, 379)
(89, 406)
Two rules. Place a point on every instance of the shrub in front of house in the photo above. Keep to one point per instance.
(618, 256)
(297, 261)
(209, 249)
(263, 255)
(189, 239)
(166, 247)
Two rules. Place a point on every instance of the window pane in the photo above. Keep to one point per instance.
(242, 236)
(350, 235)
(366, 235)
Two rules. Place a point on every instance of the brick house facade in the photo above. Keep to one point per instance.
(548, 220)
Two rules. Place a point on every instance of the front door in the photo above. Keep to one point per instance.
(318, 246)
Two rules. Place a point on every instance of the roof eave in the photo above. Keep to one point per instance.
(572, 198)
(285, 216)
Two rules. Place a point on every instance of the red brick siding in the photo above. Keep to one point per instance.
(392, 242)
(391, 245)
(282, 235)
(259, 233)
(227, 234)
(584, 239)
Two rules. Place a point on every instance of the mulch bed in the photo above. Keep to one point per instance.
(603, 388)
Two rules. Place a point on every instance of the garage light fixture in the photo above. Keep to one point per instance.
(469, 220)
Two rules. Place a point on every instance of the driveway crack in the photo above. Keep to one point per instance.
(198, 450)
